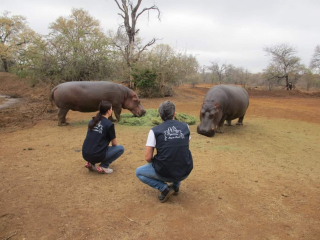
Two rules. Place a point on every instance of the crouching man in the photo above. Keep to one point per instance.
(173, 161)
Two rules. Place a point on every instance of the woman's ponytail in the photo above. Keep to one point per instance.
(104, 107)
(95, 121)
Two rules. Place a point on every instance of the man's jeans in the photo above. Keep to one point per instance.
(148, 175)
(112, 154)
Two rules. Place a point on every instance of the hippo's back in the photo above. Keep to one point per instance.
(229, 93)
(85, 96)
(232, 99)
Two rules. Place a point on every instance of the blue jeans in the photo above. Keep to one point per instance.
(112, 154)
(148, 175)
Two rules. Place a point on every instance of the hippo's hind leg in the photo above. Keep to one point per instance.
(240, 120)
(62, 113)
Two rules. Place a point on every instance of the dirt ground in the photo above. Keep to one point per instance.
(256, 181)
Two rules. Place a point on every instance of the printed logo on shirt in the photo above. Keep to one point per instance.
(173, 133)
(98, 128)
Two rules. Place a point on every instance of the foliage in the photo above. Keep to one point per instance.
(14, 36)
(77, 48)
(145, 81)
(163, 68)
(152, 118)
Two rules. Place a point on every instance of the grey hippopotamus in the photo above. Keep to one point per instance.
(85, 97)
(222, 103)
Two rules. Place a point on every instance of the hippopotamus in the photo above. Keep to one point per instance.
(85, 96)
(222, 103)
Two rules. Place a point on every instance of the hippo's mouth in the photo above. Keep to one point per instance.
(139, 113)
(208, 133)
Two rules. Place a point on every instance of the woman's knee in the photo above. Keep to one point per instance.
(121, 149)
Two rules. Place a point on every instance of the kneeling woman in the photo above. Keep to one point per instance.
(96, 147)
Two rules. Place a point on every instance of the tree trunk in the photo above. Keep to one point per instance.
(287, 82)
(5, 64)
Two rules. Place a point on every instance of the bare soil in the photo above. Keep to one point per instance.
(256, 181)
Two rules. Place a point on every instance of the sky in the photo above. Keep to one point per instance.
(228, 31)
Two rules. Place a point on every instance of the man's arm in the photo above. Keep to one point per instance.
(149, 154)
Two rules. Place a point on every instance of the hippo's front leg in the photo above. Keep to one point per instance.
(219, 129)
(117, 112)
(221, 124)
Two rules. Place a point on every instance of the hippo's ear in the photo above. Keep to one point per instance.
(134, 98)
(217, 106)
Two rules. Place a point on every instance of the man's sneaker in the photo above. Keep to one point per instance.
(104, 170)
(175, 188)
(164, 196)
(91, 167)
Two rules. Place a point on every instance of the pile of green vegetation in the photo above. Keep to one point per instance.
(152, 118)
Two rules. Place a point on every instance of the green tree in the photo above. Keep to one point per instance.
(77, 48)
(170, 66)
(14, 36)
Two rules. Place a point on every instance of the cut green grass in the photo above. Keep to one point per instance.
(152, 118)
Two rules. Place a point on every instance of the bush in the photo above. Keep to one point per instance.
(145, 81)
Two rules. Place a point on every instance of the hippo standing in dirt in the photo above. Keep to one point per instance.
(85, 97)
(222, 103)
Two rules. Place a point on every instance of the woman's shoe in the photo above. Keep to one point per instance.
(91, 167)
(104, 170)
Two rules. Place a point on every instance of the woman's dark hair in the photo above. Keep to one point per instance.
(104, 107)
(166, 110)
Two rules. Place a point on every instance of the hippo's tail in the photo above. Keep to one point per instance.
(52, 96)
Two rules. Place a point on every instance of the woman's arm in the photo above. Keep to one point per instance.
(114, 142)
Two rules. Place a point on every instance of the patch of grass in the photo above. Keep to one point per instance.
(152, 118)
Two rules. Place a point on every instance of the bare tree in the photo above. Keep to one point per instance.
(218, 70)
(130, 16)
(229, 73)
(315, 61)
(242, 76)
(283, 61)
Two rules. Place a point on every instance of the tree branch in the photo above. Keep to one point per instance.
(119, 6)
(154, 7)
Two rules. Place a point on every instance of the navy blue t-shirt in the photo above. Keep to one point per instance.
(97, 141)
